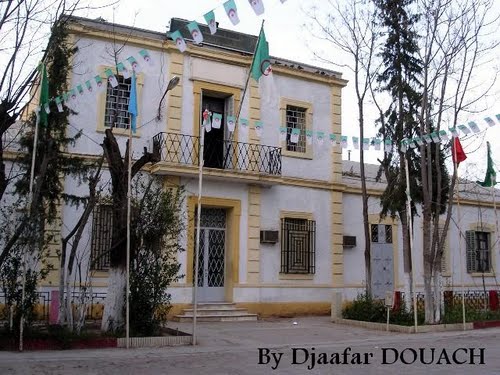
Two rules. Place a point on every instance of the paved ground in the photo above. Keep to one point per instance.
(233, 348)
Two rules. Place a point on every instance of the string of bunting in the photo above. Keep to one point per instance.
(97, 83)
(230, 9)
(213, 120)
(442, 135)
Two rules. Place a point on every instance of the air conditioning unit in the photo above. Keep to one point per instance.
(269, 236)
(349, 241)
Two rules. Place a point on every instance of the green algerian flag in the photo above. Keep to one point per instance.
(44, 94)
(491, 175)
(261, 65)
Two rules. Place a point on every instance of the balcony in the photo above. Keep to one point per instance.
(221, 157)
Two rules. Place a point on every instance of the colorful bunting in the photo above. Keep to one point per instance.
(210, 20)
(179, 40)
(207, 124)
(216, 120)
(111, 78)
(355, 142)
(195, 31)
(146, 57)
(230, 123)
(259, 127)
(283, 132)
(257, 6)
(244, 125)
(309, 137)
(294, 136)
(59, 104)
(232, 12)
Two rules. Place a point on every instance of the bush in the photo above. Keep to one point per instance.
(367, 309)
(455, 315)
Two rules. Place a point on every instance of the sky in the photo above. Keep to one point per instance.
(288, 38)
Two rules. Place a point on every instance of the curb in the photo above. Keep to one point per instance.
(410, 329)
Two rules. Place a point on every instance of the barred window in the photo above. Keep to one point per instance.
(117, 99)
(298, 245)
(478, 251)
(296, 119)
(101, 236)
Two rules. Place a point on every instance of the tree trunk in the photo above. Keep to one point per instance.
(438, 296)
(112, 319)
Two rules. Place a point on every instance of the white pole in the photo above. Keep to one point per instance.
(197, 245)
(493, 192)
(30, 202)
(129, 193)
(410, 227)
(459, 219)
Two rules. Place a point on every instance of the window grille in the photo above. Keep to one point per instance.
(102, 222)
(117, 99)
(374, 232)
(296, 119)
(478, 251)
(298, 246)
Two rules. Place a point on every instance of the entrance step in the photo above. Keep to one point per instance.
(216, 312)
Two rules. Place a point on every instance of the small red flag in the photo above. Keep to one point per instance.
(457, 151)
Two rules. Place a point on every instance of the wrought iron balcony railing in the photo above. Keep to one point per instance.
(227, 155)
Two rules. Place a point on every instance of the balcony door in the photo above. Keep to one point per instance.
(213, 154)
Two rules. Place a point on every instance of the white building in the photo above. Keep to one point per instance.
(275, 212)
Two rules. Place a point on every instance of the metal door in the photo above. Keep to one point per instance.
(211, 265)
(381, 260)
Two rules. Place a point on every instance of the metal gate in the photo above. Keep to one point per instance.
(211, 264)
(382, 260)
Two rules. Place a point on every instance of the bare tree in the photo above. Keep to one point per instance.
(350, 27)
(457, 39)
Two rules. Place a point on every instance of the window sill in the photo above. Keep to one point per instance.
(121, 132)
(99, 274)
(298, 155)
(296, 276)
(480, 274)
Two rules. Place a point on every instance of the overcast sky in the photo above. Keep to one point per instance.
(288, 38)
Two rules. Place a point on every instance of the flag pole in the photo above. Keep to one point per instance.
(197, 245)
(30, 201)
(129, 193)
(410, 226)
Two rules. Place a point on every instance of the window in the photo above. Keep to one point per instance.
(298, 246)
(377, 235)
(117, 98)
(296, 114)
(478, 251)
(296, 119)
(101, 236)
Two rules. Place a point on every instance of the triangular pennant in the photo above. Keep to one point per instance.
(294, 136)
(473, 126)
(134, 64)
(435, 137)
(99, 83)
(404, 145)
(489, 121)
(59, 104)
(454, 132)
(232, 12)
(320, 137)
(464, 129)
(259, 127)
(230, 121)
(366, 143)
(309, 137)
(195, 31)
(257, 6)
(355, 142)
(343, 141)
(80, 90)
(388, 146)
(333, 140)
(427, 138)
(178, 40)
(216, 120)
(418, 141)
(88, 84)
(111, 78)
(146, 57)
(443, 135)
(210, 20)
(122, 69)
(282, 133)
(244, 125)
(72, 94)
